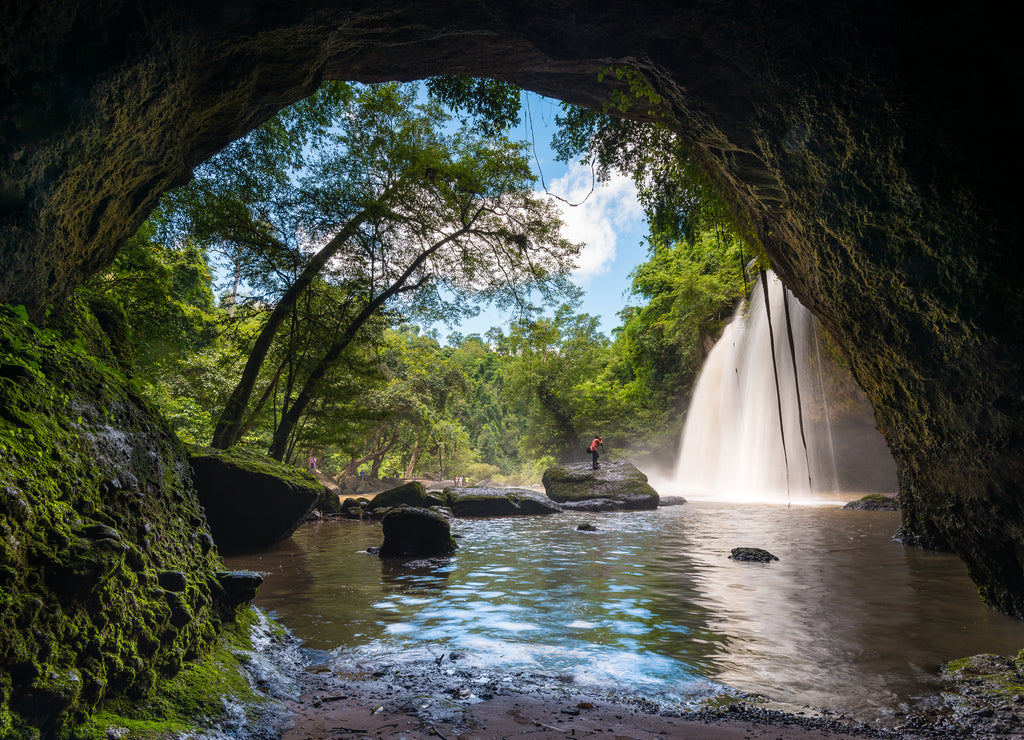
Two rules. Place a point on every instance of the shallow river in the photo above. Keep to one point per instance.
(847, 619)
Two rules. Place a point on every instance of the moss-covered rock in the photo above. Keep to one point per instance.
(986, 693)
(874, 502)
(477, 501)
(232, 685)
(107, 577)
(408, 494)
(251, 500)
(615, 485)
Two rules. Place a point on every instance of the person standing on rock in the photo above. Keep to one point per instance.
(593, 450)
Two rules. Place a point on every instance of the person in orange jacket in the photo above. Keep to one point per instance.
(593, 450)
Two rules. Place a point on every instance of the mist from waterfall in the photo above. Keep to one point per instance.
(733, 446)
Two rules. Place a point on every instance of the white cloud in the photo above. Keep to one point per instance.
(610, 211)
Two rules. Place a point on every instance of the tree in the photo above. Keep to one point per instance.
(687, 292)
(549, 361)
(404, 212)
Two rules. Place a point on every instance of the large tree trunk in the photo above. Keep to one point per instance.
(414, 458)
(230, 425)
(291, 417)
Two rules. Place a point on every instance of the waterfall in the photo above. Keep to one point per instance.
(733, 443)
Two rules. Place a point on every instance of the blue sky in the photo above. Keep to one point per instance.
(609, 222)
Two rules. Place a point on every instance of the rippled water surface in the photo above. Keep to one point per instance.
(846, 619)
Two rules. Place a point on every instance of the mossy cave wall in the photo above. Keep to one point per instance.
(869, 145)
(107, 572)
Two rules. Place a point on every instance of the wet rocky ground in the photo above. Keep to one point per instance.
(450, 700)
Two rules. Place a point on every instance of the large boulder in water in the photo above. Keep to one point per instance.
(478, 501)
(615, 485)
(408, 494)
(251, 500)
(413, 532)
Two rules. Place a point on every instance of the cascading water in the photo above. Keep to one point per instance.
(734, 445)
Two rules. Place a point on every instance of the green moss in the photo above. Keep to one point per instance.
(95, 502)
(988, 677)
(192, 701)
(875, 498)
(260, 464)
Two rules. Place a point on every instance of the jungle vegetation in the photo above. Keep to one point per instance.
(276, 300)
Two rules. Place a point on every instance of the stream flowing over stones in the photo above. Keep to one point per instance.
(649, 604)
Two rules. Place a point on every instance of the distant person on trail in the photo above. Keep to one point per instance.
(593, 450)
(312, 464)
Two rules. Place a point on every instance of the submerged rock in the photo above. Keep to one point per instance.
(586, 528)
(751, 555)
(479, 501)
(413, 532)
(671, 501)
(875, 502)
(251, 500)
(615, 485)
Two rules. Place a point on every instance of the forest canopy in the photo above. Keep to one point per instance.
(275, 301)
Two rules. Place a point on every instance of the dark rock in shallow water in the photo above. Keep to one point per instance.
(671, 501)
(411, 532)
(875, 502)
(751, 555)
(478, 501)
(615, 485)
(251, 500)
(354, 508)
(329, 502)
(586, 528)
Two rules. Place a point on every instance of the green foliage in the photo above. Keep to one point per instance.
(548, 363)
(639, 91)
(688, 292)
(493, 104)
(164, 293)
(384, 203)
(376, 175)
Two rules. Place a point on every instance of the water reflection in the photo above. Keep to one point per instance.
(847, 619)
